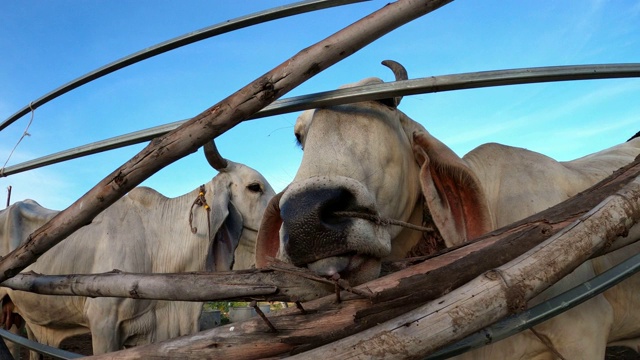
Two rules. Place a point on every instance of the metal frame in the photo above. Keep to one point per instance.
(498, 331)
(195, 36)
(41, 348)
(361, 93)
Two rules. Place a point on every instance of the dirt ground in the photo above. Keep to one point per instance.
(82, 345)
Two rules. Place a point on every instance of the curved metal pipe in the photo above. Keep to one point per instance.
(361, 93)
(220, 28)
(41, 348)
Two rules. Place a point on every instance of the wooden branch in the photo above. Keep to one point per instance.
(281, 282)
(212, 122)
(437, 275)
(439, 321)
(219, 286)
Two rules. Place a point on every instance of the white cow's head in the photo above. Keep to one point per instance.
(368, 158)
(240, 196)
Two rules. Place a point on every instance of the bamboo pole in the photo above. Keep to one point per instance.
(212, 122)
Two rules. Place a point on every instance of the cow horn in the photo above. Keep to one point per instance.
(400, 73)
(213, 156)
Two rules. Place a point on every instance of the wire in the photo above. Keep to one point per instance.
(25, 133)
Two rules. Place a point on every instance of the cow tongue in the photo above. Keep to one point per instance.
(330, 266)
(356, 269)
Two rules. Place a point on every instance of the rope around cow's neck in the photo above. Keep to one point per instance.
(381, 221)
(200, 201)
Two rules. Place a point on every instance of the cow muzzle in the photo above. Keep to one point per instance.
(316, 234)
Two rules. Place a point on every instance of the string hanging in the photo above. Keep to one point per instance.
(25, 133)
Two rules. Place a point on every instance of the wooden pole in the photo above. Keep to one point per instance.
(437, 275)
(8, 195)
(212, 122)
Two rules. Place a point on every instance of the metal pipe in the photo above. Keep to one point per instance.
(544, 311)
(205, 33)
(361, 93)
(41, 348)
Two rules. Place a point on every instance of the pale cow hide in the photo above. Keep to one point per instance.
(143, 232)
(371, 158)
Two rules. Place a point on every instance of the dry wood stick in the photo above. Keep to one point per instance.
(283, 282)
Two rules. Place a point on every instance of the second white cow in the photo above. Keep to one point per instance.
(143, 232)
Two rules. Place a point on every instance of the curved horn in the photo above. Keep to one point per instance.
(213, 156)
(400, 73)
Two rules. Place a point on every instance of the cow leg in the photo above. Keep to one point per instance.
(14, 348)
(13, 322)
(33, 355)
(105, 335)
(104, 325)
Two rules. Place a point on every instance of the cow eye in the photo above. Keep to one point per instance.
(254, 187)
(298, 139)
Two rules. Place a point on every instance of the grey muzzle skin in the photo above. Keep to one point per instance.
(314, 235)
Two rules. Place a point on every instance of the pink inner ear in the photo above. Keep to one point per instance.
(463, 204)
(453, 193)
(268, 241)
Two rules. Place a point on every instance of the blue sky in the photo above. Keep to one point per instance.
(45, 44)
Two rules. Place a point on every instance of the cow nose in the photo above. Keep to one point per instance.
(313, 230)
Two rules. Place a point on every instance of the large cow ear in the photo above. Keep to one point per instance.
(268, 241)
(451, 190)
(225, 227)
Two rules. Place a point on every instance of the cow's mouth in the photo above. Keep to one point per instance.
(355, 268)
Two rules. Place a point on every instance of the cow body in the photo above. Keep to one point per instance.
(143, 232)
(371, 158)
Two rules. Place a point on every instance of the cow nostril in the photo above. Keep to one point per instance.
(329, 212)
(314, 223)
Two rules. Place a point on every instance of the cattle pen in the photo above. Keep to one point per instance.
(442, 83)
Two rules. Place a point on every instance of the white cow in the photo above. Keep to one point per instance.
(371, 158)
(144, 232)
